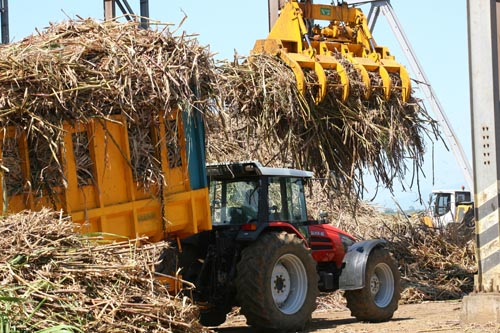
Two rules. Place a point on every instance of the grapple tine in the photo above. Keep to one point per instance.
(364, 76)
(392, 66)
(297, 70)
(320, 73)
(399, 81)
(341, 83)
(405, 84)
(344, 80)
(304, 61)
(386, 82)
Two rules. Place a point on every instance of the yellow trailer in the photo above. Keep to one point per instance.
(98, 186)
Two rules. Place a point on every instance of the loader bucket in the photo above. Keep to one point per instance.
(339, 55)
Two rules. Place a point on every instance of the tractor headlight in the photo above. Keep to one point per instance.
(346, 241)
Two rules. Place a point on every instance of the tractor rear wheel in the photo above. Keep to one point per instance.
(277, 283)
(378, 299)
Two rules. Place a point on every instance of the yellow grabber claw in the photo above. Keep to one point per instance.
(296, 61)
(330, 63)
(317, 48)
(392, 66)
(304, 61)
(386, 82)
(381, 80)
(405, 83)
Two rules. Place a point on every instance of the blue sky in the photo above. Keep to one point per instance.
(437, 31)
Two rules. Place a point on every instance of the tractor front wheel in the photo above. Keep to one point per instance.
(277, 283)
(378, 299)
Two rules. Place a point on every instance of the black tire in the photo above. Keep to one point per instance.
(168, 261)
(190, 270)
(378, 299)
(213, 317)
(263, 273)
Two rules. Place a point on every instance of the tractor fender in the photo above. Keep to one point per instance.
(354, 264)
(252, 235)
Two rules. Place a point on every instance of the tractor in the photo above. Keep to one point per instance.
(267, 256)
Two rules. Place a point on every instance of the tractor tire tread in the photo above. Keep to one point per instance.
(254, 276)
(361, 302)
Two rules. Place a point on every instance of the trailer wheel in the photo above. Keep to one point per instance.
(277, 283)
(378, 299)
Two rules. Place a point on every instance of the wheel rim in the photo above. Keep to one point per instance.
(289, 284)
(382, 285)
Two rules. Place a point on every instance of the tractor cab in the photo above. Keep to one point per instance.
(263, 246)
(247, 192)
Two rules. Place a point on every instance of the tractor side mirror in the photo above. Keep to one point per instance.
(323, 217)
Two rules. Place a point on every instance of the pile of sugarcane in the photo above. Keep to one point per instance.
(78, 71)
(434, 264)
(53, 278)
(266, 118)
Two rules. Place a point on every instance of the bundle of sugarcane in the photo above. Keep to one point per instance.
(80, 70)
(268, 118)
(260, 112)
(53, 278)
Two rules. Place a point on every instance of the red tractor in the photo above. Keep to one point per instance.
(267, 256)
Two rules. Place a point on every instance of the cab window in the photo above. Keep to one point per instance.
(443, 201)
(287, 200)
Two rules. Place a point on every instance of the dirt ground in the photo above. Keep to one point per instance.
(442, 317)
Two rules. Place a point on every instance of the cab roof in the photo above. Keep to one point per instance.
(252, 168)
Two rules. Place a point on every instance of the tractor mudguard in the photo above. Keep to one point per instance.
(355, 260)
(251, 234)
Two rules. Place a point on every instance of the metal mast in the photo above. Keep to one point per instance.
(128, 13)
(482, 305)
(4, 20)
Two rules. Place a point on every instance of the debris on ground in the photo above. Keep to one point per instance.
(52, 277)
